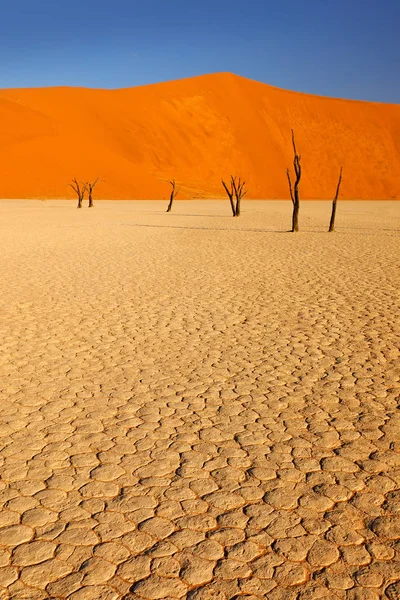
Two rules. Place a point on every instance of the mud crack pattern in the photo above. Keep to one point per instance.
(195, 406)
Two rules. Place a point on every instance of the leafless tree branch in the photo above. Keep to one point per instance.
(174, 192)
(236, 192)
(90, 187)
(79, 189)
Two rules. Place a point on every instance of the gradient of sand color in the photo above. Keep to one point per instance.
(196, 406)
(195, 131)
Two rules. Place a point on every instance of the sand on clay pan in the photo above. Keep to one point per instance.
(199, 406)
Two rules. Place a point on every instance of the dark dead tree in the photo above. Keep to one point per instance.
(174, 193)
(235, 193)
(334, 202)
(79, 189)
(90, 187)
(230, 192)
(294, 193)
(240, 192)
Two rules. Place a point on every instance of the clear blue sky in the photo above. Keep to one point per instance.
(343, 48)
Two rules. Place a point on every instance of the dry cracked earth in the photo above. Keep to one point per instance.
(196, 406)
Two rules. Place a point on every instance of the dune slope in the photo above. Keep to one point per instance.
(196, 131)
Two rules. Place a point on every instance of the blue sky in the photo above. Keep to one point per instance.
(343, 48)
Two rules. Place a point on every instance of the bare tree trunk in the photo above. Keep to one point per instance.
(294, 193)
(171, 199)
(237, 212)
(90, 187)
(79, 190)
(174, 192)
(239, 193)
(296, 204)
(334, 203)
(230, 196)
(295, 216)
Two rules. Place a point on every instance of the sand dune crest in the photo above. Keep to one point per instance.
(196, 131)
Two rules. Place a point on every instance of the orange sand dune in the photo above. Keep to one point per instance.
(196, 131)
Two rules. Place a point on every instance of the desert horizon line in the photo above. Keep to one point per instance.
(194, 77)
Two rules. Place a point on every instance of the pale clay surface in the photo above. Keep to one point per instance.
(196, 406)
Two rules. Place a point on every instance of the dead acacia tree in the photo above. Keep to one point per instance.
(294, 192)
(235, 193)
(174, 193)
(334, 202)
(230, 193)
(79, 189)
(90, 187)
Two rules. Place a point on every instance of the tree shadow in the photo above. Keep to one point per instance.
(174, 214)
(262, 230)
(254, 230)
